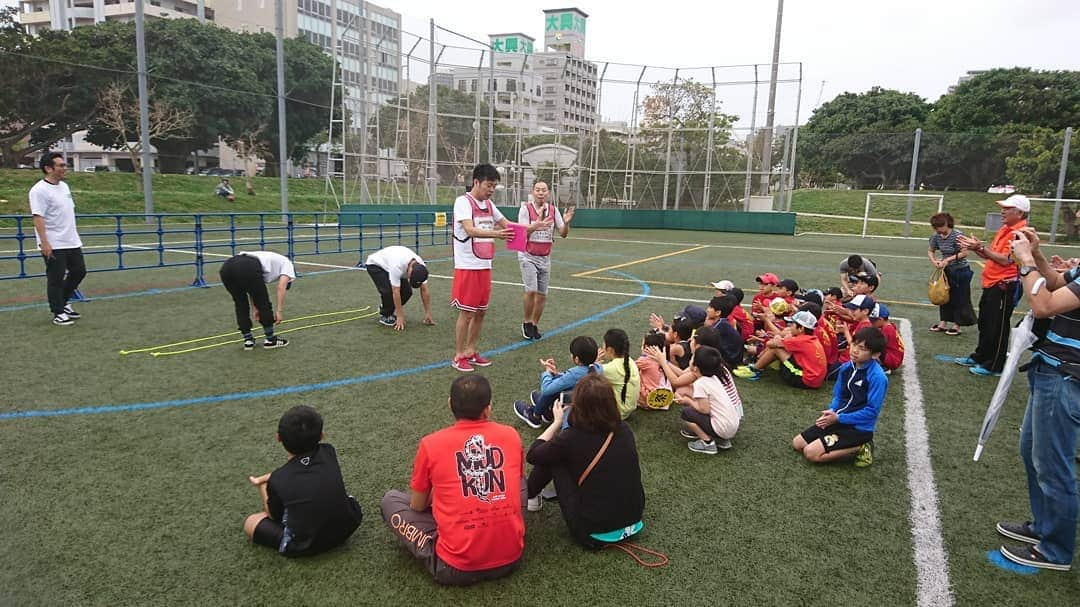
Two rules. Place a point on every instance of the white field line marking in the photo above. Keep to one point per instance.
(931, 561)
(742, 247)
(497, 282)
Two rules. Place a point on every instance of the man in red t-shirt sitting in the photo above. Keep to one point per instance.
(802, 359)
(463, 518)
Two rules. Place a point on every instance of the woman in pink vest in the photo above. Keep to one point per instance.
(542, 219)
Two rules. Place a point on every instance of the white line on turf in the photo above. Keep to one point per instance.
(497, 282)
(931, 561)
(741, 247)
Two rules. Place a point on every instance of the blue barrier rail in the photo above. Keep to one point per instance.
(113, 242)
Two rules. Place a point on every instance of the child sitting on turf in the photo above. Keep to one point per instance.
(742, 322)
(653, 381)
(801, 357)
(858, 312)
(893, 356)
(537, 411)
(826, 335)
(713, 412)
(620, 373)
(682, 380)
(305, 508)
(761, 299)
(718, 316)
(847, 427)
(678, 338)
(863, 284)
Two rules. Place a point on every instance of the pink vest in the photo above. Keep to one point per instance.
(539, 241)
(484, 219)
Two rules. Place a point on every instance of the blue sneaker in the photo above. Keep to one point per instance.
(526, 414)
(983, 371)
(966, 361)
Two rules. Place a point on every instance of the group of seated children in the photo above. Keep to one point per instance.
(462, 517)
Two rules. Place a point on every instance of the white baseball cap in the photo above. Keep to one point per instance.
(803, 318)
(723, 285)
(1016, 201)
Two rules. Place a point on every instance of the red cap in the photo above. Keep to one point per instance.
(768, 278)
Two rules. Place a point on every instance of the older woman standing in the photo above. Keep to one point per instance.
(953, 260)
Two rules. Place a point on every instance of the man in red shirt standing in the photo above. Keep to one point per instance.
(999, 282)
(463, 517)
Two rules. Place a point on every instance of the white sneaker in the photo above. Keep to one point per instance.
(535, 504)
(62, 320)
(71, 313)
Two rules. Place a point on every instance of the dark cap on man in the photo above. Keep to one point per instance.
(418, 275)
(790, 285)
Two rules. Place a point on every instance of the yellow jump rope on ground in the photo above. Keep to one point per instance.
(156, 350)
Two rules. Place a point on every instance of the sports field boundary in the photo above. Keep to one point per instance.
(931, 561)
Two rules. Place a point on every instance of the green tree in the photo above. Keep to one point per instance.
(862, 137)
(45, 96)
(1035, 167)
(975, 128)
(684, 108)
(405, 129)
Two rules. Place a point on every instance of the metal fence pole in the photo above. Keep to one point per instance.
(911, 181)
(709, 145)
(476, 112)
(283, 148)
(670, 129)
(432, 118)
(794, 144)
(144, 111)
(491, 108)
(750, 145)
(1060, 184)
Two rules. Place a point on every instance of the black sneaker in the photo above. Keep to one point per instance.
(275, 342)
(536, 332)
(1026, 554)
(525, 412)
(62, 320)
(71, 313)
(1021, 532)
(525, 332)
(388, 321)
(249, 345)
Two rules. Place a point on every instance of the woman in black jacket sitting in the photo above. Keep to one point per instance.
(594, 464)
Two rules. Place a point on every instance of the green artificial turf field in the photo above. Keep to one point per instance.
(124, 478)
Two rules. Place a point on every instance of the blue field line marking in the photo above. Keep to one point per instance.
(337, 383)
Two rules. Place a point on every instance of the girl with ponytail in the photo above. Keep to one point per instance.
(620, 372)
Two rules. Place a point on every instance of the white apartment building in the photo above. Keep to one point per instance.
(36, 15)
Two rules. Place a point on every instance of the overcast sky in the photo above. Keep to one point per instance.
(922, 46)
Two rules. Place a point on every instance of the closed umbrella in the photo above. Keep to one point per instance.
(1020, 339)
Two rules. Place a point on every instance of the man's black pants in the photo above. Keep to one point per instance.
(242, 277)
(381, 278)
(63, 273)
(995, 323)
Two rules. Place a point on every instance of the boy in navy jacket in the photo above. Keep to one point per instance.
(846, 428)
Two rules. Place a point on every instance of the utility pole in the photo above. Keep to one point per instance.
(767, 134)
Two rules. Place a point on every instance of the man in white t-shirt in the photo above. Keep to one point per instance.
(57, 238)
(477, 223)
(245, 276)
(396, 271)
(535, 260)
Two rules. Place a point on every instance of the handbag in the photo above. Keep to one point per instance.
(938, 287)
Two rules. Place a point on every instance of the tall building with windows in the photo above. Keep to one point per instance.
(570, 82)
(516, 88)
(356, 25)
(36, 15)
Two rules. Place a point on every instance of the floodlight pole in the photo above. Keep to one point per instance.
(670, 129)
(1060, 184)
(144, 110)
(709, 145)
(432, 120)
(283, 160)
(794, 143)
(911, 181)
